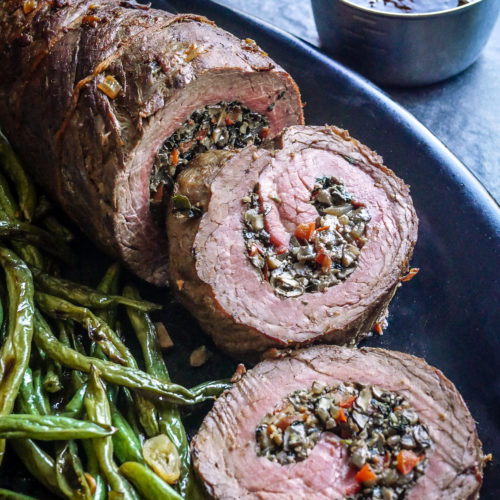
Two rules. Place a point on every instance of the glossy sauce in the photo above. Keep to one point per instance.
(410, 6)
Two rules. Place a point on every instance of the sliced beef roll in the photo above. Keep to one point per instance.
(104, 100)
(332, 422)
(305, 241)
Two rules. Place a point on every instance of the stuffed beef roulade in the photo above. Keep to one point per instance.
(336, 423)
(105, 100)
(304, 241)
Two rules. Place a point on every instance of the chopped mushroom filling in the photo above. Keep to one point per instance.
(385, 439)
(321, 253)
(225, 125)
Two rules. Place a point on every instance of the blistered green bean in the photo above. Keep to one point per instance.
(127, 446)
(109, 285)
(170, 420)
(148, 484)
(48, 428)
(26, 399)
(98, 411)
(26, 233)
(16, 349)
(41, 397)
(98, 330)
(12, 495)
(113, 372)
(100, 492)
(23, 184)
(51, 224)
(70, 475)
(86, 296)
(7, 201)
(38, 462)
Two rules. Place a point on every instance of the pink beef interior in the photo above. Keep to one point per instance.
(225, 446)
(238, 286)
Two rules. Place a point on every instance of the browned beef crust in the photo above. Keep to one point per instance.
(94, 153)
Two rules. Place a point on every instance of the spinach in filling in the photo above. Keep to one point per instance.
(321, 253)
(385, 439)
(225, 125)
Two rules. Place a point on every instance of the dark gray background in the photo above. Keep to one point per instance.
(463, 112)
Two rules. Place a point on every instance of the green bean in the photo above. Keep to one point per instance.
(99, 331)
(66, 332)
(11, 212)
(51, 382)
(170, 419)
(70, 474)
(7, 201)
(84, 295)
(74, 405)
(15, 351)
(26, 233)
(100, 492)
(38, 463)
(112, 372)
(131, 415)
(110, 343)
(109, 285)
(126, 444)
(212, 388)
(43, 208)
(11, 495)
(48, 428)
(148, 484)
(51, 224)
(41, 398)
(24, 186)
(98, 411)
(26, 399)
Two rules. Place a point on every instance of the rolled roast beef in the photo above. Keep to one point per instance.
(304, 241)
(332, 422)
(104, 101)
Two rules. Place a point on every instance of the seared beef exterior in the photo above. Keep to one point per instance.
(94, 153)
(224, 450)
(228, 295)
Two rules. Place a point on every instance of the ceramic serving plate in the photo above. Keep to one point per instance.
(449, 313)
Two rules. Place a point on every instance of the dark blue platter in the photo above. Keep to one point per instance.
(449, 314)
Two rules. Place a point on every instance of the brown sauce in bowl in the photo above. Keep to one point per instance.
(410, 6)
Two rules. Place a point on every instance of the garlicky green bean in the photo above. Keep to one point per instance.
(148, 484)
(16, 349)
(11, 495)
(56, 385)
(38, 463)
(114, 373)
(170, 420)
(26, 233)
(98, 411)
(86, 296)
(98, 330)
(54, 226)
(14, 171)
(48, 428)
(126, 444)
(70, 475)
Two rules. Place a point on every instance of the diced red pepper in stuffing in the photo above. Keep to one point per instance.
(174, 157)
(348, 402)
(365, 475)
(406, 461)
(305, 231)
